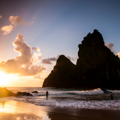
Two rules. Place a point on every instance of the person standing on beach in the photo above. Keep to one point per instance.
(111, 95)
(47, 94)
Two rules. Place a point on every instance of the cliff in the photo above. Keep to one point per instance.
(96, 67)
(60, 76)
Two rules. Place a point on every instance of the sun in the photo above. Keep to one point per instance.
(4, 79)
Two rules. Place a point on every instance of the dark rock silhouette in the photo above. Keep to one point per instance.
(35, 92)
(60, 76)
(6, 93)
(96, 67)
(23, 94)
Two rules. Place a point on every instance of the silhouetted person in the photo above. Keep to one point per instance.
(47, 94)
(111, 95)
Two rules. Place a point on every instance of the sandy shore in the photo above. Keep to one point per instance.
(15, 110)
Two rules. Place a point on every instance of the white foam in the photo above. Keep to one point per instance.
(71, 101)
(108, 104)
(90, 104)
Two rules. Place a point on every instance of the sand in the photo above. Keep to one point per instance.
(15, 110)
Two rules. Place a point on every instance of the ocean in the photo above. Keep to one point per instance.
(68, 98)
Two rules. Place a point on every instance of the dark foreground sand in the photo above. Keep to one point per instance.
(14, 110)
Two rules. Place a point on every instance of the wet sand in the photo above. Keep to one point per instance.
(15, 110)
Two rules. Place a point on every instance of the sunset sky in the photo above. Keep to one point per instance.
(33, 33)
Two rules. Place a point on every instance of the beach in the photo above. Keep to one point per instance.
(59, 59)
(68, 98)
(16, 110)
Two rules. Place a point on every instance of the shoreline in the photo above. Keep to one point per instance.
(63, 103)
(20, 109)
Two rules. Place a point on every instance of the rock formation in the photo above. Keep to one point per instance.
(35, 92)
(6, 93)
(96, 67)
(23, 94)
(60, 76)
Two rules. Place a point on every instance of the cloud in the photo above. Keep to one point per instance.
(118, 54)
(46, 61)
(23, 64)
(41, 75)
(36, 49)
(14, 20)
(37, 55)
(110, 46)
(7, 29)
(49, 60)
(1, 16)
(38, 77)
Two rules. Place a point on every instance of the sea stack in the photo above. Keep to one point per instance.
(60, 76)
(96, 67)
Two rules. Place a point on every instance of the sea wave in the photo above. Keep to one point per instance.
(94, 99)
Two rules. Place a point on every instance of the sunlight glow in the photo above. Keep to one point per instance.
(4, 79)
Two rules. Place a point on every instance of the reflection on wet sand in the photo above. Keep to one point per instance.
(23, 116)
(14, 110)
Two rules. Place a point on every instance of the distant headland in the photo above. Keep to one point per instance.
(96, 67)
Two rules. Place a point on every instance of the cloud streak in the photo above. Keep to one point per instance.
(0, 16)
(23, 64)
(36, 49)
(52, 59)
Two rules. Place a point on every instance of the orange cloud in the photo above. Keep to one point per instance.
(23, 64)
(7, 29)
(14, 20)
(118, 54)
(0, 16)
(38, 77)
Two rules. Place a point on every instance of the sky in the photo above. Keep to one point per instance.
(33, 33)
